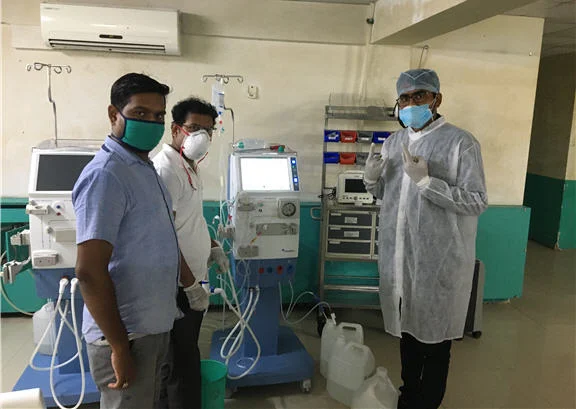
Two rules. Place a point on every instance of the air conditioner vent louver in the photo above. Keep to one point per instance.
(107, 46)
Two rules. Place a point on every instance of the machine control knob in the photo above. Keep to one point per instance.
(288, 209)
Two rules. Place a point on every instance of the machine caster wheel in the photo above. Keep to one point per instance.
(477, 334)
(306, 386)
(230, 392)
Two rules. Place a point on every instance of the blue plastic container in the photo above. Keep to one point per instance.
(380, 136)
(331, 157)
(331, 136)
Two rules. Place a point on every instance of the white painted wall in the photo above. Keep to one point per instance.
(487, 92)
(488, 73)
(553, 117)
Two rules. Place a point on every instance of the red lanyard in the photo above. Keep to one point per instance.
(186, 169)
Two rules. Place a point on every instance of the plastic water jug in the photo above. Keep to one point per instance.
(377, 392)
(331, 331)
(350, 363)
(40, 321)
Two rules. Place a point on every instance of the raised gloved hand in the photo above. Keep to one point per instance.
(197, 297)
(415, 167)
(218, 256)
(374, 165)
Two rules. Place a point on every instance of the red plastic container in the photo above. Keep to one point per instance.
(348, 136)
(347, 158)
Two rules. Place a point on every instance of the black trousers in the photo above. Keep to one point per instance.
(184, 385)
(424, 373)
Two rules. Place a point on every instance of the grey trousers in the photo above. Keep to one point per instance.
(150, 354)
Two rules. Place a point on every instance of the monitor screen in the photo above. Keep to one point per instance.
(59, 172)
(354, 186)
(262, 174)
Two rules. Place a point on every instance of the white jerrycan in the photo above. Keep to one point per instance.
(377, 392)
(331, 331)
(350, 363)
(40, 321)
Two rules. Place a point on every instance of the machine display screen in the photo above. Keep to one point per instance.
(263, 174)
(59, 172)
(354, 186)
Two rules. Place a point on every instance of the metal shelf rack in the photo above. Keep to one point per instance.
(359, 116)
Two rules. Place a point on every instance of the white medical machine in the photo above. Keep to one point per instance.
(64, 377)
(351, 189)
(53, 173)
(263, 223)
(265, 211)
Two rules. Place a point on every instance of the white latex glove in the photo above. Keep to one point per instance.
(374, 165)
(415, 167)
(197, 297)
(218, 256)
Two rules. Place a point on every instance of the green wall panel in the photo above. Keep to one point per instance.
(501, 245)
(23, 291)
(567, 233)
(544, 196)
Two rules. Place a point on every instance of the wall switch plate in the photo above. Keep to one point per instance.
(252, 91)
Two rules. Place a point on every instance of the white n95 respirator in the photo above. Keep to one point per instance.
(196, 145)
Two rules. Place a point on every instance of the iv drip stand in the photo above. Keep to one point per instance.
(58, 69)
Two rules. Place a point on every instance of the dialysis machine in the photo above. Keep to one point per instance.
(52, 240)
(263, 222)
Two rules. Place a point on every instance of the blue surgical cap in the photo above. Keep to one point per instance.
(421, 78)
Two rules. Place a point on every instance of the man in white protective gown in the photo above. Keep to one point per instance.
(430, 179)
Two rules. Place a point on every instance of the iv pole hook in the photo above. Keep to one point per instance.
(58, 69)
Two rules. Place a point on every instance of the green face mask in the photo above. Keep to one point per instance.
(142, 135)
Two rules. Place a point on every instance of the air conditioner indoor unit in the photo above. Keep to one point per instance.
(124, 30)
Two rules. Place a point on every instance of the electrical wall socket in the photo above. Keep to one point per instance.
(252, 91)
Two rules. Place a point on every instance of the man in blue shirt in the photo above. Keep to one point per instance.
(128, 259)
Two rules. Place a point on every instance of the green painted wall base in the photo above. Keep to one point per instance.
(501, 245)
(23, 291)
(553, 204)
(567, 233)
(544, 196)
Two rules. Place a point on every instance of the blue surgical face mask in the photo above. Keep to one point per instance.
(416, 116)
(142, 135)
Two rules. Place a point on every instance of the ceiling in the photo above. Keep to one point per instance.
(363, 2)
(559, 27)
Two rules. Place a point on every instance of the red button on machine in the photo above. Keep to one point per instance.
(279, 268)
(261, 270)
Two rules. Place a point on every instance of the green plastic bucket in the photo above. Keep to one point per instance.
(213, 384)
